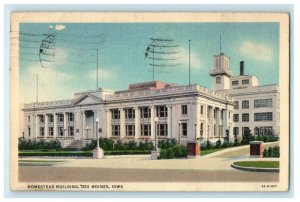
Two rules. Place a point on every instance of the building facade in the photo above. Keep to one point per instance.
(185, 113)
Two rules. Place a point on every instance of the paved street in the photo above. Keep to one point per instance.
(77, 174)
(215, 167)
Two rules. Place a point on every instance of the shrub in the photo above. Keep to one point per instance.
(208, 145)
(270, 150)
(247, 137)
(177, 151)
(106, 143)
(276, 151)
(147, 145)
(34, 144)
(118, 145)
(167, 143)
(218, 144)
(266, 153)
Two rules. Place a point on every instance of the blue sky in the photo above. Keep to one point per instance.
(122, 54)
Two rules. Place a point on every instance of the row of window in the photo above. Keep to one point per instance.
(51, 131)
(262, 130)
(257, 103)
(60, 118)
(236, 82)
(161, 130)
(264, 116)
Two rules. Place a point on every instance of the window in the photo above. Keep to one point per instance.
(116, 130)
(70, 117)
(129, 113)
(235, 117)
(229, 114)
(50, 118)
(184, 109)
(201, 110)
(235, 131)
(236, 104)
(201, 129)
(245, 104)
(115, 114)
(60, 118)
(71, 131)
(29, 131)
(130, 130)
(162, 129)
(222, 114)
(245, 117)
(61, 131)
(161, 111)
(218, 79)
(215, 113)
(266, 116)
(51, 132)
(145, 129)
(265, 130)
(145, 112)
(42, 131)
(28, 119)
(184, 129)
(42, 120)
(263, 103)
(245, 130)
(245, 81)
(235, 83)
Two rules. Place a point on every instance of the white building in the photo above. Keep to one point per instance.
(186, 113)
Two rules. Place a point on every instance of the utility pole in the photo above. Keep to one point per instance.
(153, 64)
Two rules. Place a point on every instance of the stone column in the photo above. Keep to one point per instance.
(153, 115)
(122, 124)
(205, 122)
(219, 122)
(108, 123)
(94, 125)
(225, 120)
(169, 121)
(84, 130)
(65, 125)
(137, 123)
(37, 132)
(211, 114)
(46, 125)
(55, 129)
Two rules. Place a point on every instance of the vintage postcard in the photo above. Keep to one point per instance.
(149, 101)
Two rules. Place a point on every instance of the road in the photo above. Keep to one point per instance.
(140, 168)
(80, 174)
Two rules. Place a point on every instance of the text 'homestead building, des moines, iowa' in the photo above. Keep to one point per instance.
(186, 113)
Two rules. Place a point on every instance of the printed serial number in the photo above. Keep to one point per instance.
(269, 185)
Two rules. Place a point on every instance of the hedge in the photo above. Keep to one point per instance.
(177, 151)
(81, 153)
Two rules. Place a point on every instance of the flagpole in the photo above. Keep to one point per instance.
(189, 62)
(97, 70)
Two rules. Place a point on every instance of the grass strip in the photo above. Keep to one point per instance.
(258, 164)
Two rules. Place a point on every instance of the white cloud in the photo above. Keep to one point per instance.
(57, 27)
(257, 51)
(104, 74)
(51, 84)
(195, 59)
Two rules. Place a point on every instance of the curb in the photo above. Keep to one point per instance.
(272, 170)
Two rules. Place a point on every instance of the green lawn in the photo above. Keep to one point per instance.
(38, 161)
(258, 164)
(209, 151)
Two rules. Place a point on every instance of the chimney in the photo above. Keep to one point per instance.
(241, 67)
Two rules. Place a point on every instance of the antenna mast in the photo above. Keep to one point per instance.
(220, 44)
(189, 62)
(97, 70)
